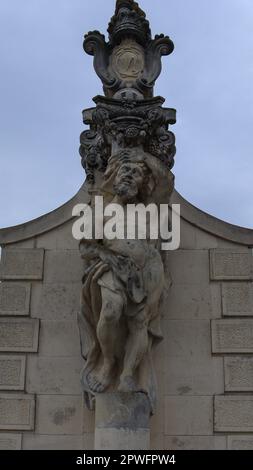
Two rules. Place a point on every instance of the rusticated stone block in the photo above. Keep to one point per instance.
(14, 299)
(237, 299)
(229, 265)
(12, 372)
(19, 335)
(17, 412)
(233, 413)
(232, 336)
(238, 374)
(240, 442)
(10, 441)
(22, 264)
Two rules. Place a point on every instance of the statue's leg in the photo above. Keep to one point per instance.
(136, 348)
(107, 334)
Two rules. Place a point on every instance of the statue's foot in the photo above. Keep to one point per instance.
(127, 384)
(99, 382)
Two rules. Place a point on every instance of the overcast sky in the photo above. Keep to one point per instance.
(46, 80)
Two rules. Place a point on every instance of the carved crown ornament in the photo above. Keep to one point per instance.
(128, 66)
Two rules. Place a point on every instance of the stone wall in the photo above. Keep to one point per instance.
(205, 357)
(204, 365)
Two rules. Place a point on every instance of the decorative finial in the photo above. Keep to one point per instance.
(129, 20)
(131, 58)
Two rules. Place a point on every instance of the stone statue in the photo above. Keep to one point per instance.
(127, 154)
(123, 283)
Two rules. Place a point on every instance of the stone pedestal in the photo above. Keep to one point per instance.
(122, 421)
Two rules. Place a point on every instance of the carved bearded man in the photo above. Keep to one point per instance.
(123, 284)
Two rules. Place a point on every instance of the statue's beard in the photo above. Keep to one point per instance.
(126, 189)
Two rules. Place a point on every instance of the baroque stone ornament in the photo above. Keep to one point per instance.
(127, 61)
(128, 154)
(119, 59)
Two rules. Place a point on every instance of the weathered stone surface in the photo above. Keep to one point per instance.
(21, 244)
(232, 336)
(63, 266)
(157, 441)
(59, 338)
(56, 301)
(188, 416)
(22, 264)
(14, 299)
(229, 265)
(194, 375)
(59, 415)
(10, 441)
(195, 443)
(122, 421)
(44, 442)
(204, 240)
(54, 375)
(60, 239)
(158, 418)
(122, 439)
(122, 410)
(19, 335)
(187, 338)
(189, 266)
(233, 413)
(17, 412)
(187, 236)
(237, 299)
(238, 374)
(12, 372)
(240, 442)
(88, 441)
(187, 301)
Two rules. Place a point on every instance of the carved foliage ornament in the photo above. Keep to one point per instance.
(130, 123)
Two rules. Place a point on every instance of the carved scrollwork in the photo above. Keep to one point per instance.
(131, 57)
(95, 45)
(158, 47)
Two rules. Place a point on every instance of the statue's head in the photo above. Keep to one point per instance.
(134, 175)
(130, 180)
